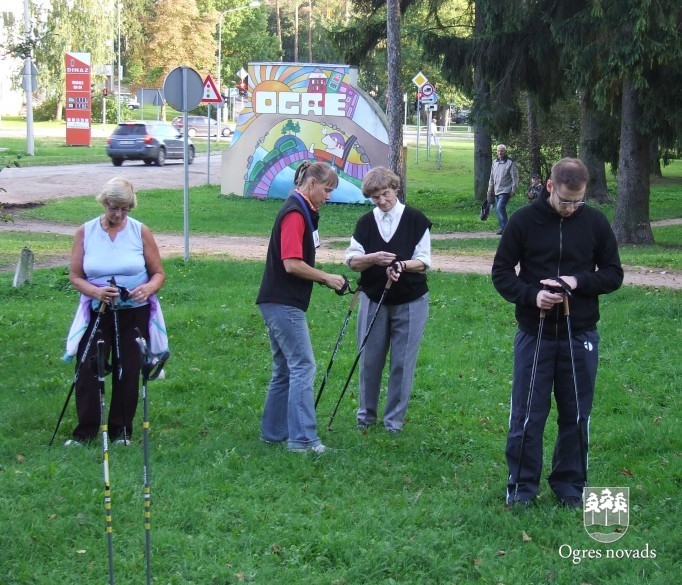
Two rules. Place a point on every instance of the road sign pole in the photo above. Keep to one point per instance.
(208, 147)
(185, 125)
(419, 117)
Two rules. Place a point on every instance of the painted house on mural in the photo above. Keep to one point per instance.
(296, 112)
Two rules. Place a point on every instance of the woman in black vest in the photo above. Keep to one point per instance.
(393, 242)
(283, 298)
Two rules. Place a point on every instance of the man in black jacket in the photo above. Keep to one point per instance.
(562, 247)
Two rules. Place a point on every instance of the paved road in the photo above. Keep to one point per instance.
(26, 185)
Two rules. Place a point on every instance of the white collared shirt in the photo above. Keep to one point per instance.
(422, 250)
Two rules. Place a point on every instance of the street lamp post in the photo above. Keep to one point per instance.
(253, 4)
(118, 65)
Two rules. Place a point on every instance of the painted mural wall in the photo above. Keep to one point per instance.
(296, 112)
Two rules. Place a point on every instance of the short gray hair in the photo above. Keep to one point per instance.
(117, 192)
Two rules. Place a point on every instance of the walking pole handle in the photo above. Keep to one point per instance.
(567, 312)
(354, 300)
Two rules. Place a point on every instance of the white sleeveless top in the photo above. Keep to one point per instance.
(122, 258)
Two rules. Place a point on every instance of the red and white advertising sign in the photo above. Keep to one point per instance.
(78, 96)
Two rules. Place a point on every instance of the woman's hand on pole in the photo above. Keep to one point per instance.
(383, 258)
(107, 294)
(394, 271)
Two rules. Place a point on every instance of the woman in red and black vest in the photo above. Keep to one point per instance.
(283, 299)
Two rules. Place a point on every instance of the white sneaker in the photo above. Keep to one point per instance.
(124, 442)
(72, 443)
(317, 449)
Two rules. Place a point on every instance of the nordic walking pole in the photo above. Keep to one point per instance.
(84, 357)
(150, 370)
(389, 282)
(531, 389)
(145, 441)
(353, 302)
(101, 374)
(117, 359)
(582, 436)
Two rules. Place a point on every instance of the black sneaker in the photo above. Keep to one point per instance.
(519, 503)
(573, 502)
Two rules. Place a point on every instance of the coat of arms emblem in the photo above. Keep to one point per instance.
(606, 512)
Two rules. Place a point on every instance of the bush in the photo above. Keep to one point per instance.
(46, 110)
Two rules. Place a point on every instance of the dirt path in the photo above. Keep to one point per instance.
(255, 248)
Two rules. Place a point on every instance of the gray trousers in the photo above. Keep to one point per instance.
(400, 329)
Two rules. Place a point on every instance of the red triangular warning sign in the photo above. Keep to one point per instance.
(211, 93)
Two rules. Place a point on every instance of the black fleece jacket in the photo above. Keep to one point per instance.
(545, 245)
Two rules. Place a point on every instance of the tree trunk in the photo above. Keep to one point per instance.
(396, 156)
(310, 31)
(597, 189)
(482, 140)
(279, 28)
(295, 31)
(631, 217)
(483, 146)
(534, 135)
(655, 159)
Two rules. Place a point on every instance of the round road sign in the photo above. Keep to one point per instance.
(183, 89)
(427, 89)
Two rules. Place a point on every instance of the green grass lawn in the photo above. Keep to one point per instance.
(423, 507)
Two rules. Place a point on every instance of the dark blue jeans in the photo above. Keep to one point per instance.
(501, 201)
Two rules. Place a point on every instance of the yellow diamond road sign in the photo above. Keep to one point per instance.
(419, 79)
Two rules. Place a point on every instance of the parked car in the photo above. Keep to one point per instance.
(199, 126)
(129, 101)
(152, 142)
(460, 116)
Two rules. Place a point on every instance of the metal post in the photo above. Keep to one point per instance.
(220, 66)
(30, 146)
(118, 65)
(185, 124)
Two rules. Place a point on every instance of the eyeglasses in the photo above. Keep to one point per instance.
(567, 202)
(386, 195)
(123, 210)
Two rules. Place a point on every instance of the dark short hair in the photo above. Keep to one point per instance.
(571, 173)
(535, 176)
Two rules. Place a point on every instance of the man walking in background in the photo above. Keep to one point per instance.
(504, 181)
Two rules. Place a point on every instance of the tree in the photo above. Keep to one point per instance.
(629, 56)
(396, 155)
(180, 36)
(82, 26)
